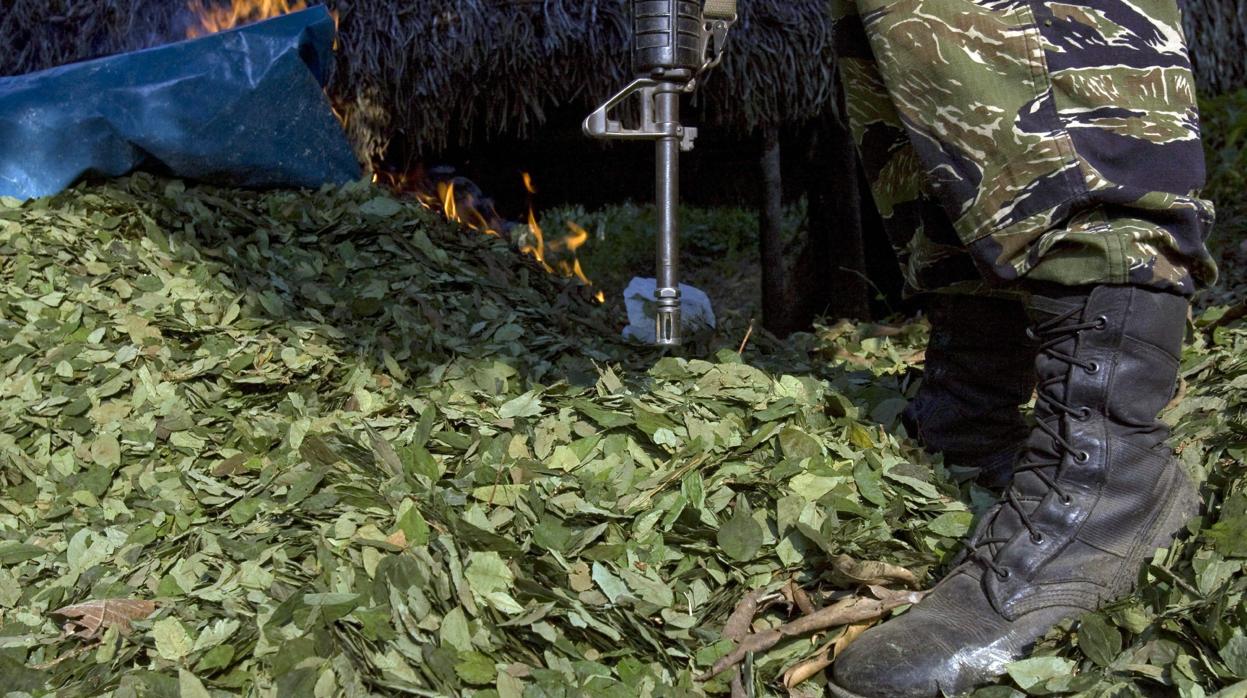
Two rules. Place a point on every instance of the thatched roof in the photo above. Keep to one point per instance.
(444, 72)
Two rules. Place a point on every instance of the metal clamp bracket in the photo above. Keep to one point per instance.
(600, 123)
(714, 42)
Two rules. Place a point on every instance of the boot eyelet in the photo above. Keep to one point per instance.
(1031, 334)
(1082, 457)
(1101, 323)
(1003, 574)
(1083, 414)
(1067, 501)
(1093, 368)
(1037, 538)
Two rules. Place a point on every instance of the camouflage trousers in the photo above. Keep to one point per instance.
(1030, 139)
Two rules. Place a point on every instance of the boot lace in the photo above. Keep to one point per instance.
(1051, 334)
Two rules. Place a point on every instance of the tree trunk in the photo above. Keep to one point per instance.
(774, 312)
(830, 277)
(1217, 31)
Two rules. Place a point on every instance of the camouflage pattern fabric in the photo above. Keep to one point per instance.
(1010, 139)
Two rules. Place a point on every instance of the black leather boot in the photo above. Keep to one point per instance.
(980, 368)
(1095, 493)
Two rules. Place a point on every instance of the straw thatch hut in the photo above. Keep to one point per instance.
(429, 71)
(424, 75)
(443, 72)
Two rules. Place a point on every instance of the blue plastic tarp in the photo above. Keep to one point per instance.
(245, 108)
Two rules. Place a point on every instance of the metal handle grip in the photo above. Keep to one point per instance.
(667, 36)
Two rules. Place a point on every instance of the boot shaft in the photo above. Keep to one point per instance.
(1095, 462)
(979, 370)
(1125, 359)
(1095, 495)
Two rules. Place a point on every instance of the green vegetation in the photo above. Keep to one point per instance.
(719, 248)
(346, 448)
(1225, 139)
(1225, 129)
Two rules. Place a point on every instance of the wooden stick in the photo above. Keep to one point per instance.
(808, 669)
(745, 342)
(737, 626)
(847, 612)
(801, 599)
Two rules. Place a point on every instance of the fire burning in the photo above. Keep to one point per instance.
(571, 268)
(460, 201)
(214, 17)
(537, 246)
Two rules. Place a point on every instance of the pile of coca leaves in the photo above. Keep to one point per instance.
(323, 444)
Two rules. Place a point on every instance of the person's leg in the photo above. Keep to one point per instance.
(979, 369)
(979, 363)
(1094, 495)
(1062, 140)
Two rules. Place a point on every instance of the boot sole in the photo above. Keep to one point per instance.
(1179, 509)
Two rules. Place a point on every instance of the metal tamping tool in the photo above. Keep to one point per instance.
(674, 43)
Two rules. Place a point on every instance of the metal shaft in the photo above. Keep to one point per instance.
(667, 293)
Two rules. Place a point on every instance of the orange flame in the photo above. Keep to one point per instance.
(448, 201)
(461, 207)
(457, 206)
(537, 250)
(215, 18)
(569, 266)
(579, 236)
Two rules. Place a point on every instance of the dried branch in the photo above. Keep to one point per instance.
(847, 612)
